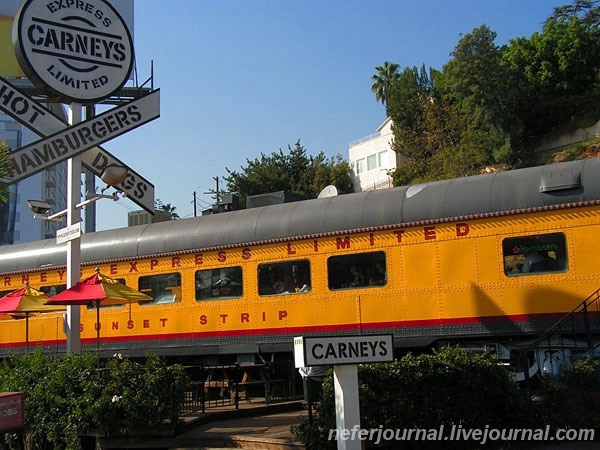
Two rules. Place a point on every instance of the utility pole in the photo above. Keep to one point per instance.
(195, 204)
(217, 191)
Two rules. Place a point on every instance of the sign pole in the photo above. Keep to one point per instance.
(75, 75)
(73, 318)
(344, 353)
(347, 408)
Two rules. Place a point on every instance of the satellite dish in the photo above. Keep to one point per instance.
(328, 191)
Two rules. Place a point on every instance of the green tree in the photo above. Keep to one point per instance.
(475, 81)
(166, 207)
(491, 105)
(5, 171)
(554, 75)
(411, 106)
(386, 75)
(295, 172)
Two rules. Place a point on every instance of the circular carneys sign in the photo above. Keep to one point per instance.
(75, 50)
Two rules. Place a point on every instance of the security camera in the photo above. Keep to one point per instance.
(39, 207)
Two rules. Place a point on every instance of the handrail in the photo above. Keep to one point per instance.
(583, 307)
(364, 139)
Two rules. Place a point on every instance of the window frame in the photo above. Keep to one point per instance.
(174, 293)
(294, 277)
(228, 280)
(549, 253)
(339, 271)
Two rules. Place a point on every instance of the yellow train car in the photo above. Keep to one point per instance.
(486, 261)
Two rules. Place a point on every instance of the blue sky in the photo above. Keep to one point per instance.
(243, 77)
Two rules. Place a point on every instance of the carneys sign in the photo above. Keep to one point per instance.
(79, 51)
(75, 51)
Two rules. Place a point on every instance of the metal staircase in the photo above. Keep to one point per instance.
(575, 336)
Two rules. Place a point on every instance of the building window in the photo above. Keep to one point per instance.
(535, 254)
(382, 159)
(371, 162)
(360, 166)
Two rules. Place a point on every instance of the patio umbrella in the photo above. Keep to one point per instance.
(95, 290)
(24, 302)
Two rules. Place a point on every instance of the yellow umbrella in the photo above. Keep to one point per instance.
(24, 302)
(98, 289)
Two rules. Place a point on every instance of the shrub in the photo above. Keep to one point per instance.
(67, 397)
(450, 387)
(572, 399)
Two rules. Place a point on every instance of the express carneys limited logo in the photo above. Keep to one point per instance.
(75, 50)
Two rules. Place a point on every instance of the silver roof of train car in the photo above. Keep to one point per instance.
(541, 186)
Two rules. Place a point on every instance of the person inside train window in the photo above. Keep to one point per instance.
(279, 287)
(357, 278)
(537, 262)
(357, 270)
(284, 278)
(380, 275)
(535, 254)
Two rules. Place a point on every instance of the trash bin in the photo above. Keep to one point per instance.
(312, 389)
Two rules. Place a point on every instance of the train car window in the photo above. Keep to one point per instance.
(357, 270)
(290, 277)
(221, 283)
(163, 288)
(536, 254)
(53, 290)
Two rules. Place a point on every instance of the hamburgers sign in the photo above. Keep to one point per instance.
(74, 50)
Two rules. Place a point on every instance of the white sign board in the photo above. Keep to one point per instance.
(76, 139)
(77, 51)
(68, 233)
(44, 122)
(339, 350)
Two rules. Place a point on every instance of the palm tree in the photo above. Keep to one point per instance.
(160, 206)
(382, 80)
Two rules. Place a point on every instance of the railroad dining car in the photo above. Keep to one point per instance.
(488, 261)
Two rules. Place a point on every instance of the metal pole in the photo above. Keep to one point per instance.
(73, 319)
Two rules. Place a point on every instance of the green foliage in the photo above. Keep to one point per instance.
(138, 398)
(573, 399)
(294, 172)
(451, 386)
(160, 206)
(66, 397)
(386, 76)
(491, 105)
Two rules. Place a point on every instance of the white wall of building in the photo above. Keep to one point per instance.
(371, 158)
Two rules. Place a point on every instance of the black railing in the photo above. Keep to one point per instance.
(575, 336)
(215, 386)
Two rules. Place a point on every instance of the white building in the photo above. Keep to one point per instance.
(372, 157)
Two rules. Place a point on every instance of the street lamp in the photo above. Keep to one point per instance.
(113, 175)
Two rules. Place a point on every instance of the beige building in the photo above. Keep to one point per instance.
(141, 217)
(372, 157)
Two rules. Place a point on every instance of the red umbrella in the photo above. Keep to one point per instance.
(96, 289)
(24, 302)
